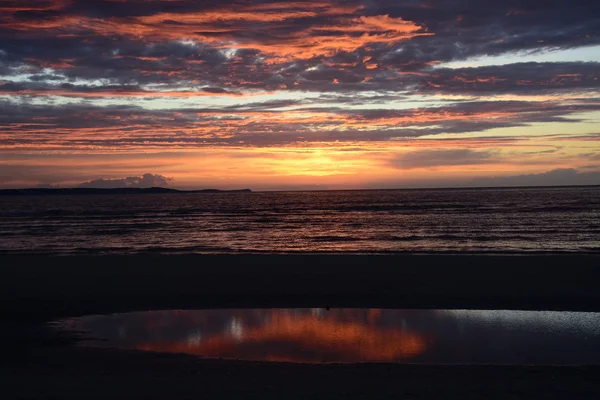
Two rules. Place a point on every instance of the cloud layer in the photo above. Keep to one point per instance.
(557, 177)
(144, 181)
(139, 76)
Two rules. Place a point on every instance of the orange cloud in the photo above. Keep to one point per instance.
(304, 339)
(17, 5)
(220, 27)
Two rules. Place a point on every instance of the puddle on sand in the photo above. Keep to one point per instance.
(355, 335)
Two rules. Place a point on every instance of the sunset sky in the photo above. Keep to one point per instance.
(299, 95)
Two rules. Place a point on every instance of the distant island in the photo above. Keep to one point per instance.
(92, 191)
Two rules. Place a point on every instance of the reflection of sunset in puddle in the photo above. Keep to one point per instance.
(302, 338)
(354, 335)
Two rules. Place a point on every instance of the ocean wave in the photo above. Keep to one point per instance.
(336, 239)
(229, 229)
(407, 207)
(459, 238)
(360, 222)
(266, 220)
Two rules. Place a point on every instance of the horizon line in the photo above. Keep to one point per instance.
(306, 190)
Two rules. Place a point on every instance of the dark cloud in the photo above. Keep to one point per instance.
(144, 181)
(260, 124)
(444, 157)
(46, 186)
(525, 78)
(557, 177)
(100, 40)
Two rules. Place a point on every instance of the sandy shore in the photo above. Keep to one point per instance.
(37, 364)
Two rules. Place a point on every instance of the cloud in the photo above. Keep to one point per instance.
(144, 181)
(442, 157)
(338, 46)
(46, 186)
(83, 126)
(556, 177)
(525, 78)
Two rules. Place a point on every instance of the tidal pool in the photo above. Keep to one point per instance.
(320, 335)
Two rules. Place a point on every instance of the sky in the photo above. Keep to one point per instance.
(274, 95)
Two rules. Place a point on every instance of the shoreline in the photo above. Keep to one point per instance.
(346, 253)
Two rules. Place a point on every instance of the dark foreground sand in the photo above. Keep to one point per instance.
(38, 364)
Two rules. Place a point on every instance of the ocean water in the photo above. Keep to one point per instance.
(374, 221)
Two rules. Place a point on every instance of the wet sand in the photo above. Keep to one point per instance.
(55, 373)
(39, 364)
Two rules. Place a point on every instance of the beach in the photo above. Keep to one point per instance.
(40, 362)
(53, 287)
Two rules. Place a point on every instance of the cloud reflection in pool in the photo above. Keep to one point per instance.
(356, 335)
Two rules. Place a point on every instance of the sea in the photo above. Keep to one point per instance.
(508, 220)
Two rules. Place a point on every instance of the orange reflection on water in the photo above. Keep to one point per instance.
(476, 337)
(301, 338)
